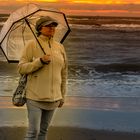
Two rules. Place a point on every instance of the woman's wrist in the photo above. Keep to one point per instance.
(42, 61)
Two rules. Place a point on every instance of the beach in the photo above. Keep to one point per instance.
(80, 118)
(103, 97)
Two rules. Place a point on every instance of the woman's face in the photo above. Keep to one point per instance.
(48, 30)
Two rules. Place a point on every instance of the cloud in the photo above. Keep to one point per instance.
(79, 9)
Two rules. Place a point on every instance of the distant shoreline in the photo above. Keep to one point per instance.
(99, 20)
(78, 16)
(96, 21)
(93, 20)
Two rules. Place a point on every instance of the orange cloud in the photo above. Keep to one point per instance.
(38, 0)
(106, 1)
(82, 1)
(79, 7)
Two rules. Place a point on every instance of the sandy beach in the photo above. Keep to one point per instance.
(102, 119)
(68, 133)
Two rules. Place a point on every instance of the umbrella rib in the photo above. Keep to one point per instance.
(34, 35)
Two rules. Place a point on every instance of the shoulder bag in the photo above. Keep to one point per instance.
(18, 98)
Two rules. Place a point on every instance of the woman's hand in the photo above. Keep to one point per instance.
(61, 103)
(45, 59)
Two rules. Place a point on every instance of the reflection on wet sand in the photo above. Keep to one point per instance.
(100, 103)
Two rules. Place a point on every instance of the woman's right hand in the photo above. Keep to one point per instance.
(46, 59)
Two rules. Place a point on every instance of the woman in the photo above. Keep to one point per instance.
(47, 75)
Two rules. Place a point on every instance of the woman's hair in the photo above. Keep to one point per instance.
(38, 33)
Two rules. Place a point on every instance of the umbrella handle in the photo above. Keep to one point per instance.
(34, 35)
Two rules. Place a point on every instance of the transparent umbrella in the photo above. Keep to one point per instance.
(20, 27)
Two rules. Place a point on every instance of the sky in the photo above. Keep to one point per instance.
(80, 7)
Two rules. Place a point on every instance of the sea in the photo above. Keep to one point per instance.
(103, 58)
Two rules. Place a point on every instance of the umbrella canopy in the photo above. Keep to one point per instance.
(20, 27)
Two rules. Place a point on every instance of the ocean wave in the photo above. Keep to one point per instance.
(81, 26)
(101, 26)
(118, 67)
(81, 19)
(8, 84)
(90, 70)
(102, 63)
(134, 27)
(106, 85)
(122, 25)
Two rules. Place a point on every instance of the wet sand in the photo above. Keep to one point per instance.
(69, 133)
(129, 104)
(80, 118)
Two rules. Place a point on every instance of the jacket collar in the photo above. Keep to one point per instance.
(45, 38)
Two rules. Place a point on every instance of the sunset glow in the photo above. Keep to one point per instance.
(37, 0)
(86, 1)
(80, 7)
(107, 1)
(46, 0)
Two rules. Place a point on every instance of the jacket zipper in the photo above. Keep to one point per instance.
(52, 63)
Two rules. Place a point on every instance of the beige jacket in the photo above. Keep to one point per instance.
(44, 82)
